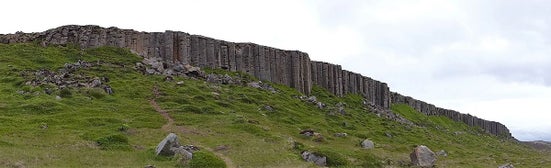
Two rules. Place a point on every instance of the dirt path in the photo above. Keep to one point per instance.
(169, 126)
(166, 127)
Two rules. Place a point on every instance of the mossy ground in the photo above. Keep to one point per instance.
(84, 129)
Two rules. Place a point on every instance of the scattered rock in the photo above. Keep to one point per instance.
(95, 83)
(307, 132)
(422, 156)
(388, 134)
(180, 83)
(320, 105)
(442, 153)
(195, 72)
(213, 78)
(311, 157)
(108, 89)
(169, 78)
(57, 97)
(341, 134)
(254, 84)
(149, 166)
(508, 165)
(227, 79)
(268, 108)
(367, 144)
(312, 99)
(263, 86)
(48, 91)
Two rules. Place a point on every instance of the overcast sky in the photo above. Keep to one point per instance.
(489, 58)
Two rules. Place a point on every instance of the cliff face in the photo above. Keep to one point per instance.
(291, 68)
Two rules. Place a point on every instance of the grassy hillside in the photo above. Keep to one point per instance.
(85, 127)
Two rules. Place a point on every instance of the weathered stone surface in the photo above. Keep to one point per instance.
(168, 52)
(311, 157)
(166, 145)
(491, 127)
(422, 156)
(367, 144)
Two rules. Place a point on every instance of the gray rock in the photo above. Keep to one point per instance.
(307, 132)
(311, 157)
(442, 153)
(227, 79)
(179, 83)
(57, 97)
(213, 78)
(367, 144)
(422, 156)
(320, 105)
(508, 165)
(268, 108)
(254, 84)
(178, 68)
(165, 146)
(312, 99)
(95, 83)
(341, 134)
(182, 151)
(108, 89)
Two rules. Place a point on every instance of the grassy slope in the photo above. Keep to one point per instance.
(209, 116)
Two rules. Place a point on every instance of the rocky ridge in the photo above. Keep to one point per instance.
(167, 52)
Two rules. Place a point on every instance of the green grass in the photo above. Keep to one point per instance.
(88, 128)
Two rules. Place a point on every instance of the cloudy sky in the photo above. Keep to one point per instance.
(489, 58)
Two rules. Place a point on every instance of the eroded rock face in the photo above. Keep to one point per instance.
(422, 156)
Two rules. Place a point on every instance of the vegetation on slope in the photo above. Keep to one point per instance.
(245, 126)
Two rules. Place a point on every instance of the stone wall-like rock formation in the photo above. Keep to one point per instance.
(341, 82)
(491, 127)
(291, 68)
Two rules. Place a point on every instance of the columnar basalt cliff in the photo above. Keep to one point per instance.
(291, 68)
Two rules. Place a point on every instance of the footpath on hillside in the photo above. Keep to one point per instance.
(170, 127)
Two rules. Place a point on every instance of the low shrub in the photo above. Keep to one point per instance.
(113, 142)
(203, 159)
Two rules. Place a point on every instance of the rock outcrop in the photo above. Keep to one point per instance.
(168, 51)
(491, 127)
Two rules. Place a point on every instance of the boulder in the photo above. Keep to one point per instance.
(367, 144)
(508, 165)
(422, 156)
(166, 145)
(311, 157)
